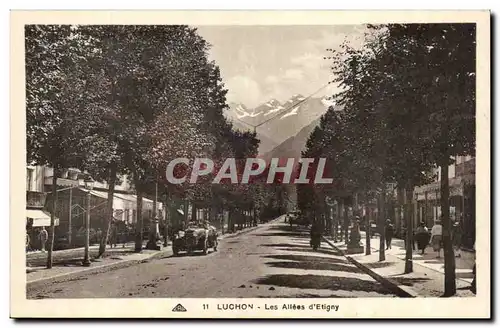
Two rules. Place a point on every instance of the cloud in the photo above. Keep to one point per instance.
(308, 60)
(293, 74)
(275, 63)
(243, 89)
(271, 79)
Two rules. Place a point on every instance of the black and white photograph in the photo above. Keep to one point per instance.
(251, 169)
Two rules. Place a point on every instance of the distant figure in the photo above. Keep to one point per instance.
(389, 233)
(457, 238)
(422, 236)
(113, 236)
(437, 237)
(43, 236)
(315, 234)
(27, 242)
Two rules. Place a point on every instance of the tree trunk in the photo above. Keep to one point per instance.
(450, 287)
(346, 225)
(154, 223)
(222, 220)
(165, 222)
(186, 211)
(400, 206)
(409, 228)
(368, 249)
(140, 222)
(381, 225)
(109, 210)
(70, 219)
(193, 212)
(339, 220)
(52, 229)
(230, 220)
(334, 223)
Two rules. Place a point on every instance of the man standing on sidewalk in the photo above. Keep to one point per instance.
(389, 233)
(43, 236)
(437, 237)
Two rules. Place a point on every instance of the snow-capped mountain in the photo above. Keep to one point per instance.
(278, 121)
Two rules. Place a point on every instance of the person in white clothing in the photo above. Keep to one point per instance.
(437, 237)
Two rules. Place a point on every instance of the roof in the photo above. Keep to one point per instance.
(121, 201)
(127, 197)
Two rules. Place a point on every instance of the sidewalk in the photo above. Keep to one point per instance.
(71, 268)
(427, 278)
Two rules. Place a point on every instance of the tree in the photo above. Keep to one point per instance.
(451, 106)
(54, 83)
(408, 100)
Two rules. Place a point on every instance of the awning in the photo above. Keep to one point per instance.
(456, 186)
(122, 201)
(40, 218)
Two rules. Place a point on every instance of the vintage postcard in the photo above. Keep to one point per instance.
(260, 164)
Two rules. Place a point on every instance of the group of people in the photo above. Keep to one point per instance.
(42, 236)
(423, 237)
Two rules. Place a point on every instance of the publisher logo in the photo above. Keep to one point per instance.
(179, 308)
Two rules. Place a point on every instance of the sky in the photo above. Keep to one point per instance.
(259, 63)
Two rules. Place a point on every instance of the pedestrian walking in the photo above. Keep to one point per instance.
(43, 236)
(389, 233)
(422, 237)
(437, 237)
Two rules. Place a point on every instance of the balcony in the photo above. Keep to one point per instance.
(35, 200)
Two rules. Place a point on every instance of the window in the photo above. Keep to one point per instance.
(29, 179)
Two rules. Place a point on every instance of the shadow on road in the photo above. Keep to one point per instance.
(314, 266)
(310, 250)
(377, 265)
(294, 257)
(311, 281)
(282, 245)
(408, 281)
(280, 234)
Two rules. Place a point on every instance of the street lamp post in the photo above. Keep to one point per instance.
(89, 185)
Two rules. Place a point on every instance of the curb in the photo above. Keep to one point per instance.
(399, 290)
(94, 270)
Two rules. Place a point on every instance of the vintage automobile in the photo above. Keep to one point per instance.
(196, 237)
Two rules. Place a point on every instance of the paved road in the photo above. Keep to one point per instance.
(270, 261)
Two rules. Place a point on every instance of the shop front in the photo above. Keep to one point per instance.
(462, 206)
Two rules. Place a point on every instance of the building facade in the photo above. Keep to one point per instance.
(461, 176)
(71, 203)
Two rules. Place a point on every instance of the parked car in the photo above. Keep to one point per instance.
(195, 237)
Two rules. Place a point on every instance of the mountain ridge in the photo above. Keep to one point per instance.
(277, 121)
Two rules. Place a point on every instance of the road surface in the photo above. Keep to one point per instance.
(270, 261)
